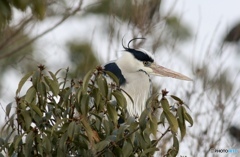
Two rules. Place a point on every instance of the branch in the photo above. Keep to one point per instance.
(112, 144)
(163, 134)
(7, 41)
(43, 33)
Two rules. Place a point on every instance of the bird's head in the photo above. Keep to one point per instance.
(141, 60)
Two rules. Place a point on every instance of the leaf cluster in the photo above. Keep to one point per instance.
(61, 117)
(38, 8)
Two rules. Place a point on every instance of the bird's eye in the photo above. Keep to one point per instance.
(147, 64)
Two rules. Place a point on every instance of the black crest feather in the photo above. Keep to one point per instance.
(142, 56)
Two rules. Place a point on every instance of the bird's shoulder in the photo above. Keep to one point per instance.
(114, 68)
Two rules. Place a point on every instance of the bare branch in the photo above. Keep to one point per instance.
(43, 33)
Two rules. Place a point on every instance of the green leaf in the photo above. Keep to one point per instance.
(174, 150)
(23, 81)
(188, 118)
(181, 121)
(30, 95)
(39, 8)
(41, 88)
(172, 121)
(143, 119)
(118, 151)
(58, 71)
(29, 143)
(182, 128)
(27, 118)
(62, 143)
(47, 145)
(128, 149)
(165, 105)
(79, 94)
(36, 77)
(149, 151)
(162, 119)
(108, 126)
(53, 85)
(101, 145)
(97, 97)
(17, 140)
(180, 113)
(8, 109)
(112, 113)
(59, 122)
(71, 130)
(102, 85)
(153, 125)
(36, 109)
(121, 131)
(86, 81)
(114, 77)
(88, 129)
(177, 99)
(53, 76)
(121, 100)
(84, 104)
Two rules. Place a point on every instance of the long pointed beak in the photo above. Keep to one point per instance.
(164, 72)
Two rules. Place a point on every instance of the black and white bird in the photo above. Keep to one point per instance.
(133, 69)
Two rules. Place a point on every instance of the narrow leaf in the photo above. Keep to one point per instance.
(180, 113)
(143, 119)
(172, 121)
(175, 149)
(162, 118)
(112, 113)
(17, 140)
(128, 149)
(121, 100)
(182, 128)
(88, 129)
(71, 130)
(114, 77)
(23, 81)
(101, 145)
(165, 105)
(31, 93)
(47, 144)
(86, 80)
(27, 118)
(84, 104)
(188, 118)
(102, 85)
(53, 85)
(53, 76)
(8, 109)
(36, 109)
(153, 125)
(177, 99)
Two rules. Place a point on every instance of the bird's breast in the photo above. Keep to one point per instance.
(138, 87)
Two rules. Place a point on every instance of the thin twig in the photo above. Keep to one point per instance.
(43, 33)
(112, 144)
(8, 40)
(163, 134)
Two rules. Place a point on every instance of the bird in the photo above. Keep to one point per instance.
(133, 70)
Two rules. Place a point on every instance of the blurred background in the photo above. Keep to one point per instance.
(197, 38)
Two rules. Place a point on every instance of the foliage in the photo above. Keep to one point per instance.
(57, 116)
(38, 8)
(82, 58)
